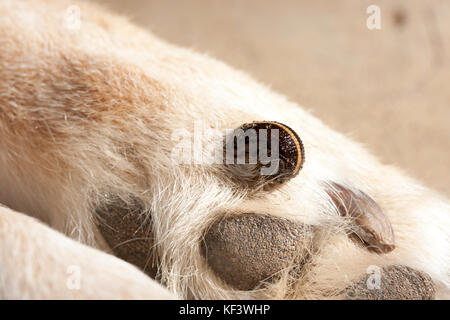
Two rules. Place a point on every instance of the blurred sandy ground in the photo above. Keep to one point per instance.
(387, 88)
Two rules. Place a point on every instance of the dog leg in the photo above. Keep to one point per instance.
(37, 262)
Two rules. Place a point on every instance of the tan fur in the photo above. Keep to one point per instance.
(88, 112)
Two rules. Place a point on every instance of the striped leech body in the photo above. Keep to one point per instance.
(291, 154)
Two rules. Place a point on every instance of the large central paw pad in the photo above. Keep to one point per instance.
(246, 249)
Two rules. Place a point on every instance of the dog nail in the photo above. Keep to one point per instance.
(373, 226)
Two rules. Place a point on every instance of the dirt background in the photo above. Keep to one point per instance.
(388, 88)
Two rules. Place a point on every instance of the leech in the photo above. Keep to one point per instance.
(257, 163)
(374, 229)
(245, 249)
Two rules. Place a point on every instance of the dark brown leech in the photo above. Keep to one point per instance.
(373, 226)
(395, 283)
(126, 231)
(245, 249)
(291, 155)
